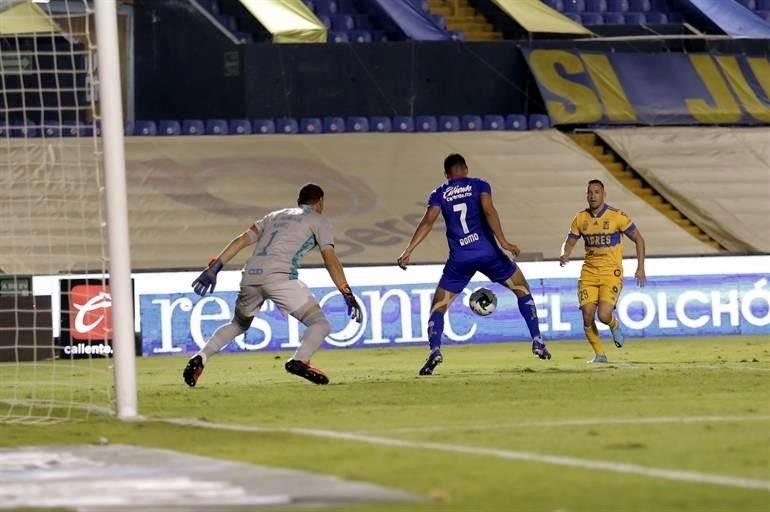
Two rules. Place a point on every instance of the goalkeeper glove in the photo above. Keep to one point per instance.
(206, 282)
(354, 310)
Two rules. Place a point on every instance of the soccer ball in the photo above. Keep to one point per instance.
(483, 302)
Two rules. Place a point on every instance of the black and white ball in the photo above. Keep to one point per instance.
(483, 302)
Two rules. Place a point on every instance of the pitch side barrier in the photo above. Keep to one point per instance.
(684, 297)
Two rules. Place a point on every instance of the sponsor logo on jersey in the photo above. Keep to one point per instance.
(456, 192)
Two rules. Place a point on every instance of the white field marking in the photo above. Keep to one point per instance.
(556, 460)
(578, 422)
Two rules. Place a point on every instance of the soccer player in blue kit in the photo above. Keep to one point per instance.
(473, 231)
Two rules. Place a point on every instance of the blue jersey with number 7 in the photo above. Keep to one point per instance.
(468, 233)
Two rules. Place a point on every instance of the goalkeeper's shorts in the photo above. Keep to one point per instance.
(289, 296)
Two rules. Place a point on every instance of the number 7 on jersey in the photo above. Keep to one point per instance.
(463, 209)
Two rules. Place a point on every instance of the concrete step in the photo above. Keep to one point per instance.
(483, 36)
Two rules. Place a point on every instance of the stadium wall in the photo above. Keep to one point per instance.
(685, 297)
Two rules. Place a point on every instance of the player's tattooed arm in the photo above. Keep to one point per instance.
(638, 239)
(493, 219)
(423, 230)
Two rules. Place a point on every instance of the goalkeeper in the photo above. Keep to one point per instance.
(281, 240)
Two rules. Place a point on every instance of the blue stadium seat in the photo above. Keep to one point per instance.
(765, 15)
(265, 126)
(674, 17)
(343, 22)
(310, 125)
(193, 127)
(326, 7)
(591, 18)
(539, 122)
(574, 5)
(211, 5)
(310, 4)
(334, 125)
(403, 124)
(656, 18)
(763, 5)
(494, 122)
(75, 129)
(240, 127)
(425, 124)
(471, 123)
(51, 129)
(748, 4)
(516, 122)
(660, 5)
(617, 6)
(21, 129)
(596, 5)
(326, 20)
(380, 124)
(335, 36)
(614, 18)
(360, 36)
(555, 4)
(457, 35)
(128, 128)
(346, 6)
(362, 22)
(145, 128)
(448, 123)
(635, 18)
(358, 124)
(4, 132)
(216, 127)
(167, 127)
(573, 16)
(639, 5)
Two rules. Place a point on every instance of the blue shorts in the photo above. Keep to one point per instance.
(457, 274)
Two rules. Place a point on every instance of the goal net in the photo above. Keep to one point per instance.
(55, 323)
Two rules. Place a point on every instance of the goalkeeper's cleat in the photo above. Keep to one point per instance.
(304, 370)
(193, 371)
(599, 359)
(617, 336)
(434, 359)
(539, 349)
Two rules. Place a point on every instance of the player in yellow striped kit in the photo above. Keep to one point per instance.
(601, 280)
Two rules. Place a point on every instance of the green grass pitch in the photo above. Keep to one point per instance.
(698, 406)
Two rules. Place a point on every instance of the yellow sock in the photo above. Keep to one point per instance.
(613, 322)
(592, 335)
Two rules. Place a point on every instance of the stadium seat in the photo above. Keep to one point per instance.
(346, 6)
(539, 122)
(403, 124)
(471, 123)
(425, 124)
(144, 128)
(75, 129)
(380, 124)
(239, 127)
(457, 35)
(4, 132)
(286, 125)
(494, 122)
(362, 22)
(763, 5)
(574, 5)
(448, 123)
(573, 16)
(20, 129)
(656, 18)
(359, 124)
(334, 125)
(555, 4)
(128, 128)
(614, 18)
(360, 36)
(660, 5)
(216, 127)
(596, 5)
(639, 5)
(310, 125)
(310, 4)
(169, 127)
(193, 127)
(591, 18)
(51, 129)
(335, 36)
(748, 4)
(265, 126)
(343, 22)
(211, 5)
(326, 6)
(765, 15)
(674, 17)
(635, 18)
(326, 20)
(617, 6)
(516, 122)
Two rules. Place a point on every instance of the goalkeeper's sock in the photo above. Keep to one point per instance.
(435, 329)
(613, 322)
(592, 335)
(318, 328)
(221, 337)
(529, 312)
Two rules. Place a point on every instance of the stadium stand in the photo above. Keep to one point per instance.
(617, 12)
(719, 177)
(377, 187)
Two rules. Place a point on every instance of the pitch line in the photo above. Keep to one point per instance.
(577, 423)
(555, 460)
